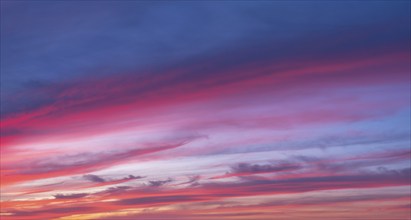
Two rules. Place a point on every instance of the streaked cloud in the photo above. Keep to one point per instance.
(205, 110)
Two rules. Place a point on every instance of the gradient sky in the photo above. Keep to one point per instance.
(204, 110)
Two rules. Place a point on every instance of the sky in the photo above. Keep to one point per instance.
(199, 110)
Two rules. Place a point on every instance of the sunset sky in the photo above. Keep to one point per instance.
(205, 110)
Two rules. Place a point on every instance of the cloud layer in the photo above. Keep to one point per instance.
(205, 110)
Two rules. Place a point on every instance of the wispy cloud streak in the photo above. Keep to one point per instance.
(205, 110)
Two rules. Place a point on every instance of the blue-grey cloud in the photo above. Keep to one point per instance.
(94, 178)
(159, 182)
(70, 196)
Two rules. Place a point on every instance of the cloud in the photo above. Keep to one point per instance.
(98, 179)
(312, 182)
(159, 200)
(245, 169)
(321, 141)
(357, 162)
(257, 168)
(115, 190)
(143, 196)
(83, 162)
(132, 177)
(159, 182)
(192, 180)
(49, 212)
(105, 182)
(262, 79)
(211, 191)
(94, 178)
(242, 69)
(70, 196)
